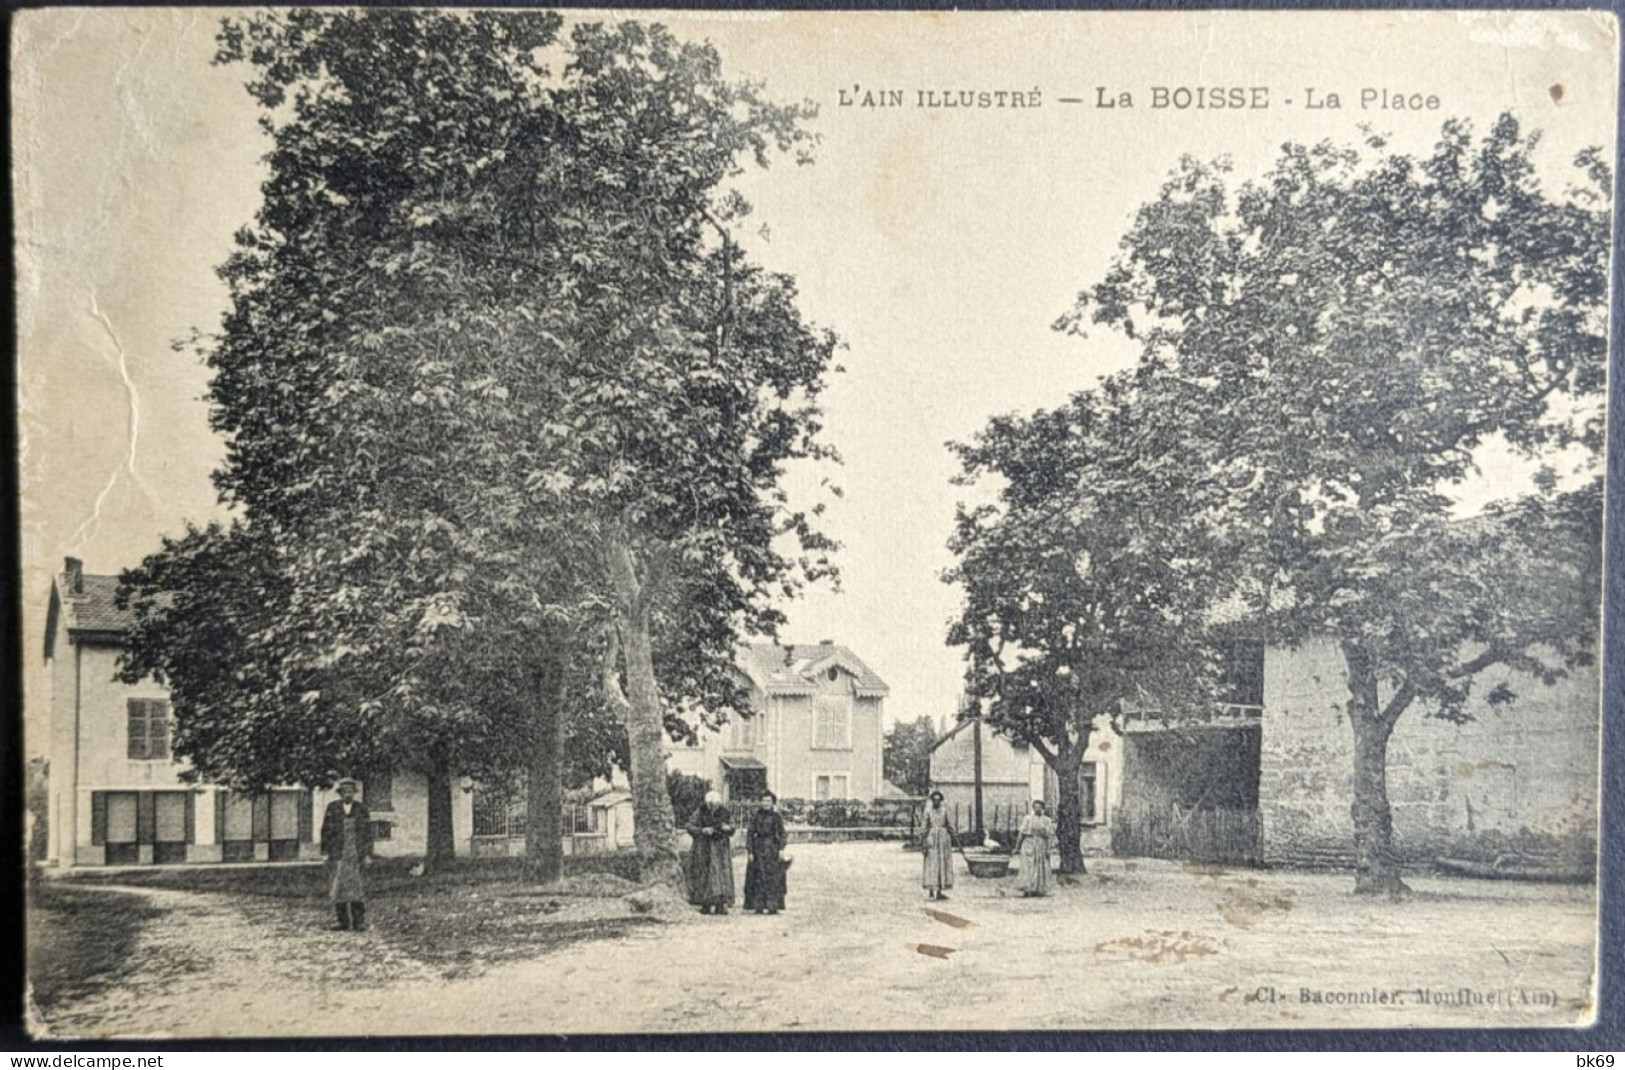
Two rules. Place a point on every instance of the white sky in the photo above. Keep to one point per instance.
(940, 244)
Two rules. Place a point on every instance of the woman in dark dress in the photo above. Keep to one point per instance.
(710, 860)
(764, 872)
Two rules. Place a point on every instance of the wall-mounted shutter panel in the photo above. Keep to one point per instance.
(146, 817)
(219, 817)
(98, 818)
(158, 729)
(262, 818)
(305, 817)
(136, 725)
(191, 817)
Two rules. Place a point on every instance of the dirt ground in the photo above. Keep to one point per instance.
(1132, 945)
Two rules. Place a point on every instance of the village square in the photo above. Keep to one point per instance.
(527, 553)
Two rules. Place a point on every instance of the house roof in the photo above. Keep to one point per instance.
(87, 608)
(793, 669)
(989, 737)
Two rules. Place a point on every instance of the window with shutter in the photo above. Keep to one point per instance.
(1088, 781)
(832, 722)
(148, 720)
(829, 786)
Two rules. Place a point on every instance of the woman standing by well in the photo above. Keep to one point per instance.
(938, 874)
(1036, 836)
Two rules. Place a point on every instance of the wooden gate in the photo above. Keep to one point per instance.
(1187, 834)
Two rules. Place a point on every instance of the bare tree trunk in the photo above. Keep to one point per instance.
(440, 849)
(1375, 870)
(1069, 805)
(544, 773)
(655, 830)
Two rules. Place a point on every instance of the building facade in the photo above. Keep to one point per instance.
(1268, 778)
(116, 793)
(817, 731)
(1012, 775)
(1519, 780)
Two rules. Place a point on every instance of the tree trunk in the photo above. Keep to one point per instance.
(654, 829)
(1375, 870)
(1069, 805)
(544, 773)
(441, 846)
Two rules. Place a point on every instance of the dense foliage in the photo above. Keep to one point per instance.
(506, 407)
(906, 757)
(1090, 581)
(1335, 342)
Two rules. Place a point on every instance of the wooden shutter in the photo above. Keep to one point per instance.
(306, 818)
(219, 817)
(158, 729)
(146, 817)
(137, 723)
(191, 817)
(98, 818)
(262, 818)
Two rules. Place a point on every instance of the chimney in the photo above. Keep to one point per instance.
(75, 571)
(826, 642)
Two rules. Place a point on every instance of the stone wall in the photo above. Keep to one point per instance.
(1519, 780)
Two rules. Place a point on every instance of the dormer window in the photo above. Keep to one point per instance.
(833, 674)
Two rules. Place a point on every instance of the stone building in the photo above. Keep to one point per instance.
(1267, 777)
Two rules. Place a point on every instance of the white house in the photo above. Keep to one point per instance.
(817, 732)
(116, 796)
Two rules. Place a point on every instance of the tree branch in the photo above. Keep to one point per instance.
(1397, 705)
(1492, 655)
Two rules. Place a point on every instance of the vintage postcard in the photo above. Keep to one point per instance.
(648, 522)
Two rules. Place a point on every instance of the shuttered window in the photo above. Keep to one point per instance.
(129, 818)
(742, 733)
(832, 722)
(149, 729)
(831, 786)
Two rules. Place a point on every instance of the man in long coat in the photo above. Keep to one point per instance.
(347, 845)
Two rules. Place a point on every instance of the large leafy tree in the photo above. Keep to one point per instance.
(499, 389)
(907, 754)
(1090, 581)
(1335, 342)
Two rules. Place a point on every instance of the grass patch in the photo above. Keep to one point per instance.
(80, 939)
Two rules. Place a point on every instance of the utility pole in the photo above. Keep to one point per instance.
(976, 745)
